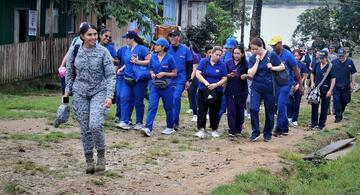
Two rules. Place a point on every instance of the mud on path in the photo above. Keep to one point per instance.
(178, 164)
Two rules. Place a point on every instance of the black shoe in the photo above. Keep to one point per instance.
(337, 120)
(267, 139)
(254, 138)
(277, 133)
(321, 127)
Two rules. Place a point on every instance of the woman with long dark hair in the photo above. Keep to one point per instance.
(136, 60)
(236, 90)
(91, 80)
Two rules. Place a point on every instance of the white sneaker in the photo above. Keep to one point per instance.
(190, 111)
(194, 118)
(168, 131)
(295, 124)
(215, 134)
(123, 125)
(289, 119)
(138, 127)
(200, 133)
(207, 117)
(146, 132)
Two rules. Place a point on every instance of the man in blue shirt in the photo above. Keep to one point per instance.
(184, 66)
(345, 83)
(282, 125)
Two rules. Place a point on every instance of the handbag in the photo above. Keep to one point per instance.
(129, 80)
(282, 77)
(209, 95)
(314, 95)
(161, 83)
(142, 73)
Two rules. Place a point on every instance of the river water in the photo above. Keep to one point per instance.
(277, 20)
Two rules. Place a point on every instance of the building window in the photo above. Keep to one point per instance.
(54, 18)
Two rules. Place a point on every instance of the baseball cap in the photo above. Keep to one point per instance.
(323, 53)
(130, 34)
(341, 52)
(231, 43)
(161, 41)
(275, 40)
(174, 33)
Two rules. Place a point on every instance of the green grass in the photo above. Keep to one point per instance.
(120, 145)
(54, 136)
(153, 154)
(340, 176)
(29, 167)
(14, 187)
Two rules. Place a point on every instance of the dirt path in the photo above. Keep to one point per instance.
(179, 164)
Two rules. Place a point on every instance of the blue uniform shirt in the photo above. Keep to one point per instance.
(263, 78)
(290, 62)
(181, 55)
(343, 72)
(111, 49)
(227, 56)
(140, 51)
(213, 73)
(236, 85)
(303, 70)
(319, 75)
(167, 64)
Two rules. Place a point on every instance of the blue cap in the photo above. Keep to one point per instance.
(231, 43)
(341, 52)
(163, 42)
(323, 53)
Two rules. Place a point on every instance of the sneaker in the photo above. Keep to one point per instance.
(138, 126)
(190, 111)
(232, 134)
(123, 125)
(117, 120)
(168, 131)
(254, 138)
(267, 139)
(289, 119)
(200, 133)
(146, 132)
(215, 134)
(285, 133)
(277, 133)
(337, 120)
(194, 118)
(295, 124)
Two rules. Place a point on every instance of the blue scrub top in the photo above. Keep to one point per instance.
(140, 51)
(290, 62)
(343, 72)
(167, 64)
(181, 55)
(213, 73)
(319, 75)
(227, 56)
(196, 58)
(235, 85)
(111, 49)
(263, 79)
(303, 70)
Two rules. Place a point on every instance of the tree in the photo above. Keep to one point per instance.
(144, 12)
(256, 19)
(215, 29)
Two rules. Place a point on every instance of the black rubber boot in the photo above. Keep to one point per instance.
(101, 161)
(90, 169)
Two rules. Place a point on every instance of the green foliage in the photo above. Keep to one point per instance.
(330, 23)
(54, 136)
(215, 29)
(14, 188)
(144, 12)
(29, 167)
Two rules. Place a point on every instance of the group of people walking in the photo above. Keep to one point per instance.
(226, 80)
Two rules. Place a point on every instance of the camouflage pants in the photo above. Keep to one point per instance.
(91, 113)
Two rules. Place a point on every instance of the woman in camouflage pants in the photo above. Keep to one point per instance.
(91, 79)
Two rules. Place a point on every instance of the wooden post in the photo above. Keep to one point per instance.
(38, 9)
(51, 21)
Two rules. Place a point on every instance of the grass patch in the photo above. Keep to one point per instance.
(258, 182)
(29, 167)
(14, 188)
(111, 174)
(303, 177)
(120, 145)
(54, 136)
(153, 154)
(100, 181)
